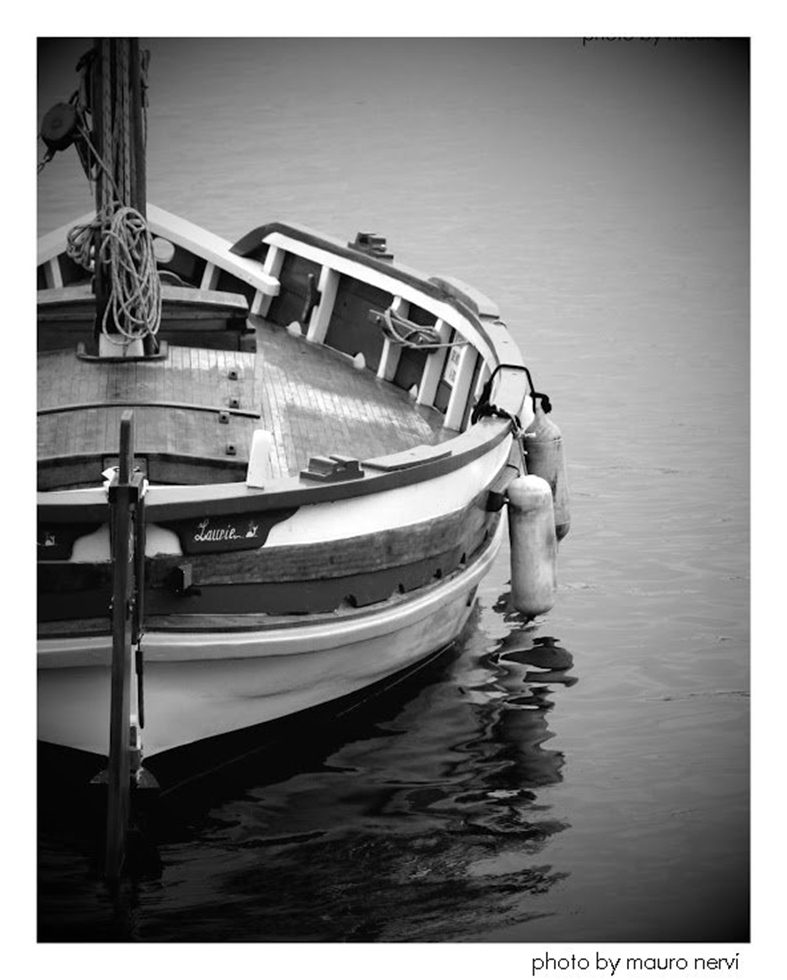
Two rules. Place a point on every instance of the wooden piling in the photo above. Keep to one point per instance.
(125, 537)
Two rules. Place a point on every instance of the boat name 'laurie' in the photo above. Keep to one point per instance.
(223, 533)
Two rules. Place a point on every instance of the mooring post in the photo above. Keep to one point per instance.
(125, 535)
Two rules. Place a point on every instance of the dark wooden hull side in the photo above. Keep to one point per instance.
(350, 330)
(319, 577)
(296, 282)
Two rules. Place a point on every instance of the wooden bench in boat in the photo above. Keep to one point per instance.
(197, 317)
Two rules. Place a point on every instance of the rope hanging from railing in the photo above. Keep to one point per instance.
(405, 333)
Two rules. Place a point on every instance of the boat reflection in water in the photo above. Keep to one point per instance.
(415, 818)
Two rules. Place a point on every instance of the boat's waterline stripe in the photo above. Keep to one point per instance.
(279, 641)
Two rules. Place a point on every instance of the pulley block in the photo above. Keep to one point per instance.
(60, 126)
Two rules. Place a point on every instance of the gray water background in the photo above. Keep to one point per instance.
(599, 194)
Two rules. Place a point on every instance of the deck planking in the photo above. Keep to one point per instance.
(315, 403)
(311, 398)
(77, 417)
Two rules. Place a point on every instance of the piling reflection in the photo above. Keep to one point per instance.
(421, 817)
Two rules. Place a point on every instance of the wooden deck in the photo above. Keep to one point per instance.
(196, 403)
(315, 403)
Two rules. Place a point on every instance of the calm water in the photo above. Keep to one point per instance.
(600, 195)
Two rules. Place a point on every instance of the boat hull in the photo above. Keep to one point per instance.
(200, 685)
(320, 501)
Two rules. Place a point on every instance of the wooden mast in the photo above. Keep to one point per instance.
(101, 130)
(137, 127)
(117, 100)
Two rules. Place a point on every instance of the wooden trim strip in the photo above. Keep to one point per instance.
(417, 456)
(186, 406)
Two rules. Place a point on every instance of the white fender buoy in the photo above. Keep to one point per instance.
(545, 458)
(260, 469)
(531, 529)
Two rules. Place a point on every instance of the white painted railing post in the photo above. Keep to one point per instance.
(433, 369)
(271, 267)
(389, 359)
(210, 277)
(52, 275)
(483, 376)
(461, 388)
(321, 314)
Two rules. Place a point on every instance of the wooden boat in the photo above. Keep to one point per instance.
(323, 438)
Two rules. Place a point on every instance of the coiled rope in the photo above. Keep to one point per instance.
(133, 309)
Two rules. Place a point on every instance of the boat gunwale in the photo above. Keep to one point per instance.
(437, 295)
(207, 500)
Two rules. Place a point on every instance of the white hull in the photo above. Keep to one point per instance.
(202, 685)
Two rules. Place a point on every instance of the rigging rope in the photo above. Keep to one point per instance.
(127, 251)
(133, 309)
